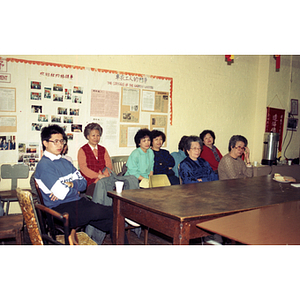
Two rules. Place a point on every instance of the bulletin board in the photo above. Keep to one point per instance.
(73, 96)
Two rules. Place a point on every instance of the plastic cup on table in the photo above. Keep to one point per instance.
(119, 186)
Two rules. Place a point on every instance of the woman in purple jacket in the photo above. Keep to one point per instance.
(193, 168)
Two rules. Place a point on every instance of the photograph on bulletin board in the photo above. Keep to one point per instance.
(7, 142)
(29, 154)
(130, 105)
(47, 93)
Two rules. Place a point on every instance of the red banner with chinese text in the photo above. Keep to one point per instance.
(274, 122)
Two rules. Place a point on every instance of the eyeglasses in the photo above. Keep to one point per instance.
(240, 148)
(56, 142)
(196, 149)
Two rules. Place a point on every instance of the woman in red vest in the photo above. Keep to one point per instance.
(93, 158)
(210, 152)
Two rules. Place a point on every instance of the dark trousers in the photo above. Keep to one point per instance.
(83, 212)
(174, 180)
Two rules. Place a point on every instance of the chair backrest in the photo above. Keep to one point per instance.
(39, 221)
(30, 217)
(14, 172)
(159, 180)
(118, 162)
(39, 192)
(180, 180)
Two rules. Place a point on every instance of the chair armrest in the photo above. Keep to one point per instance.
(52, 212)
(64, 218)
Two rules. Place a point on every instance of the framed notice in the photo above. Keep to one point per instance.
(7, 99)
(294, 107)
(8, 123)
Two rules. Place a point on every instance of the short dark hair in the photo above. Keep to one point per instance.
(142, 133)
(49, 130)
(181, 144)
(157, 133)
(188, 144)
(92, 126)
(236, 138)
(205, 132)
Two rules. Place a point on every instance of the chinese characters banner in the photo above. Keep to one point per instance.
(274, 122)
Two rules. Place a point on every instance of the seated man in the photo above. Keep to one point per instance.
(60, 183)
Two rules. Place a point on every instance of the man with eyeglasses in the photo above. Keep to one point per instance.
(61, 183)
(232, 166)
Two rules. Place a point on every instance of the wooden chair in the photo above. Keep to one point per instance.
(13, 172)
(118, 162)
(11, 226)
(40, 221)
(30, 218)
(180, 180)
(40, 197)
(159, 180)
(80, 238)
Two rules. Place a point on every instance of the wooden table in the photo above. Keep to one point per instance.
(273, 225)
(176, 210)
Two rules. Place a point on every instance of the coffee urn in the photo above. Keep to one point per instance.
(271, 140)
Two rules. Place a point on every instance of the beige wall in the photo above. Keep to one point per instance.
(209, 94)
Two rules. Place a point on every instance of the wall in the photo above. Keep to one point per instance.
(209, 94)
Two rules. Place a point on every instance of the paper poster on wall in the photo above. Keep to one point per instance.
(127, 133)
(130, 105)
(110, 130)
(104, 104)
(8, 123)
(7, 99)
(159, 122)
(155, 101)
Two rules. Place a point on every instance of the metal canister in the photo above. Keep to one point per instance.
(270, 147)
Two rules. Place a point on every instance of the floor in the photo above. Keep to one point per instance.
(154, 238)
